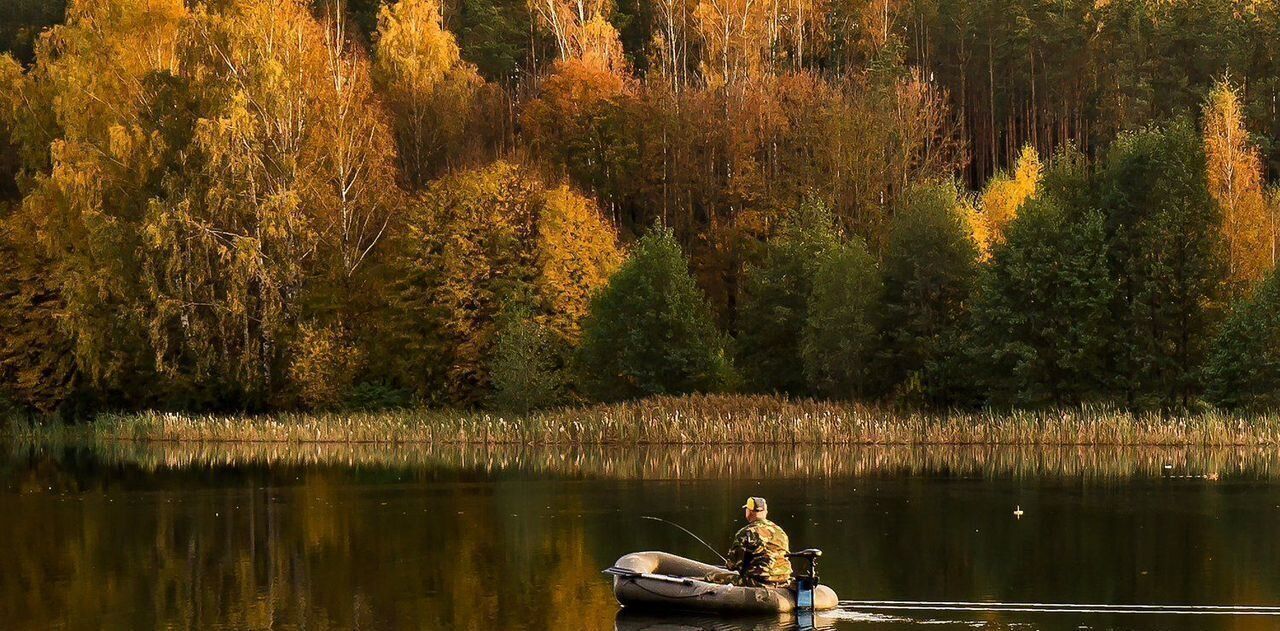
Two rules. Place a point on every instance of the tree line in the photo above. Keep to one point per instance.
(249, 204)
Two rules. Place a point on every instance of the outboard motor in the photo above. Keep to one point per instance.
(804, 569)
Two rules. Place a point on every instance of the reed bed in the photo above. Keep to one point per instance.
(687, 420)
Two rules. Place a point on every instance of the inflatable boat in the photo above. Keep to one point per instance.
(661, 580)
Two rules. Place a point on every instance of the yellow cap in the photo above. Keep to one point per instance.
(756, 504)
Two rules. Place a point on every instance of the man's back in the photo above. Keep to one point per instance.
(759, 553)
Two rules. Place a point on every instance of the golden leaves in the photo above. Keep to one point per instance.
(577, 252)
(1235, 181)
(1002, 197)
(428, 86)
(486, 239)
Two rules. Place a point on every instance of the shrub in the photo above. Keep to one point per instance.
(372, 396)
(524, 368)
(324, 365)
(650, 331)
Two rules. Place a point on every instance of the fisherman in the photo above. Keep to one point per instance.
(758, 556)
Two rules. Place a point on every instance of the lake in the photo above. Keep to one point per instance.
(122, 536)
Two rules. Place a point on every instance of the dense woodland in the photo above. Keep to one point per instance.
(279, 204)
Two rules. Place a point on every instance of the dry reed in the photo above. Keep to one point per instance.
(688, 420)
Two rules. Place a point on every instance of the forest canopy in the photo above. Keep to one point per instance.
(318, 204)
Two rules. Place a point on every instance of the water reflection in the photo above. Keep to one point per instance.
(704, 462)
(342, 538)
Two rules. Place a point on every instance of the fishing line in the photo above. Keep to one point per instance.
(686, 531)
(945, 605)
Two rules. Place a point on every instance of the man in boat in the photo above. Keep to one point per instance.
(758, 556)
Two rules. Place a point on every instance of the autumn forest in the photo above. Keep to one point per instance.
(227, 205)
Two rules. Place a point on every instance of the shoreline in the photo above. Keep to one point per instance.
(695, 420)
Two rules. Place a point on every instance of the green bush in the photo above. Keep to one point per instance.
(650, 330)
(930, 269)
(839, 336)
(1244, 365)
(772, 314)
(372, 396)
(524, 369)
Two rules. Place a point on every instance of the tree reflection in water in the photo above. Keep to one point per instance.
(695, 462)
(249, 537)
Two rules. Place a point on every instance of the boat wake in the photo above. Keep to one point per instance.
(853, 615)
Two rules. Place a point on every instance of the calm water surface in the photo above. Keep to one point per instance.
(467, 538)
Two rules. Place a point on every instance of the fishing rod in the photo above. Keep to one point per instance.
(1080, 608)
(686, 531)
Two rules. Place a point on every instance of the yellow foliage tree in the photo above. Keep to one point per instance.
(84, 116)
(1235, 181)
(37, 363)
(577, 252)
(287, 187)
(428, 86)
(735, 39)
(480, 241)
(1001, 198)
(582, 32)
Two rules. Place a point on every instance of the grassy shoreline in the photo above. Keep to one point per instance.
(688, 420)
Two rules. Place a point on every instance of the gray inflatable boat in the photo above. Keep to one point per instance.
(662, 580)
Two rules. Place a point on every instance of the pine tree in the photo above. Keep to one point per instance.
(525, 372)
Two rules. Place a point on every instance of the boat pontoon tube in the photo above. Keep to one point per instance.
(658, 579)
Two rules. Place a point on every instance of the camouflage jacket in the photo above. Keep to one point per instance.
(759, 552)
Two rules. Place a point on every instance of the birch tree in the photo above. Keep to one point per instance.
(1235, 180)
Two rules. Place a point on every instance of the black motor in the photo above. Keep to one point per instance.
(804, 569)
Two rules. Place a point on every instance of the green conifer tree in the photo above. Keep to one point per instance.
(930, 270)
(1167, 258)
(1043, 314)
(839, 337)
(650, 330)
(1243, 370)
(774, 309)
